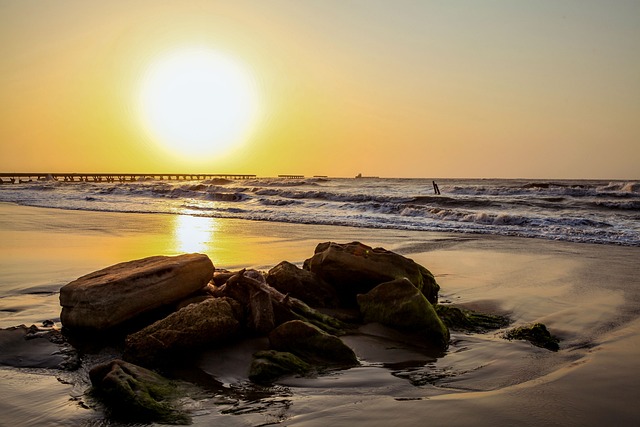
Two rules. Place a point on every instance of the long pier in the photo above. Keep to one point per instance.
(288, 176)
(19, 177)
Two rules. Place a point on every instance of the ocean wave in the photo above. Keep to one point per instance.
(631, 205)
(214, 210)
(622, 187)
(501, 218)
(226, 197)
(533, 189)
(278, 202)
(327, 195)
(544, 185)
(217, 181)
(453, 201)
(47, 186)
(480, 218)
(285, 182)
(207, 192)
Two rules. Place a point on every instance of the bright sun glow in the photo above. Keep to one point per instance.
(198, 102)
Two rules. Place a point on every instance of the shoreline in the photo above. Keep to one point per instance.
(586, 294)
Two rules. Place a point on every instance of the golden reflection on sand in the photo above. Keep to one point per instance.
(193, 233)
(225, 241)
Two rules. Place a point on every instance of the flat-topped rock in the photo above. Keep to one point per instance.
(114, 295)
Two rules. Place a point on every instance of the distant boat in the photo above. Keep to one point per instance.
(359, 176)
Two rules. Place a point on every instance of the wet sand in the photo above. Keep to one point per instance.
(588, 295)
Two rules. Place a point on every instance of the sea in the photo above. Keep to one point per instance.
(585, 211)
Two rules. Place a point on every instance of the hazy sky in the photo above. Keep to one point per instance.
(531, 89)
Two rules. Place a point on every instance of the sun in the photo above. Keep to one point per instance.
(198, 102)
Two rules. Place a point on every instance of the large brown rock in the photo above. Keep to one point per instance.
(355, 268)
(401, 305)
(112, 296)
(302, 284)
(212, 322)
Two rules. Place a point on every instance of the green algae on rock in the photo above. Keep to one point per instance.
(399, 304)
(133, 393)
(311, 344)
(269, 365)
(462, 319)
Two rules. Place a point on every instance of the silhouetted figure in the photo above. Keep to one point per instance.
(436, 190)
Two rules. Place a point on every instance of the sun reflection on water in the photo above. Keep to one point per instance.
(193, 233)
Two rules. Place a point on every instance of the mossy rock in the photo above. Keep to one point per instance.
(460, 319)
(400, 305)
(311, 344)
(537, 334)
(269, 365)
(214, 321)
(136, 394)
(327, 323)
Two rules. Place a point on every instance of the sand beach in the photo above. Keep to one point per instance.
(587, 295)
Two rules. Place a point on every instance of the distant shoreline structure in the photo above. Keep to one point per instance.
(24, 177)
(359, 176)
(21, 177)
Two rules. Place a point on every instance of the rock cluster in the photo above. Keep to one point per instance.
(166, 309)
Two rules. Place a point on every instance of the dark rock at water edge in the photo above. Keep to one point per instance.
(461, 319)
(136, 394)
(355, 268)
(32, 347)
(537, 334)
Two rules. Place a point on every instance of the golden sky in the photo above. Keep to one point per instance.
(509, 89)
